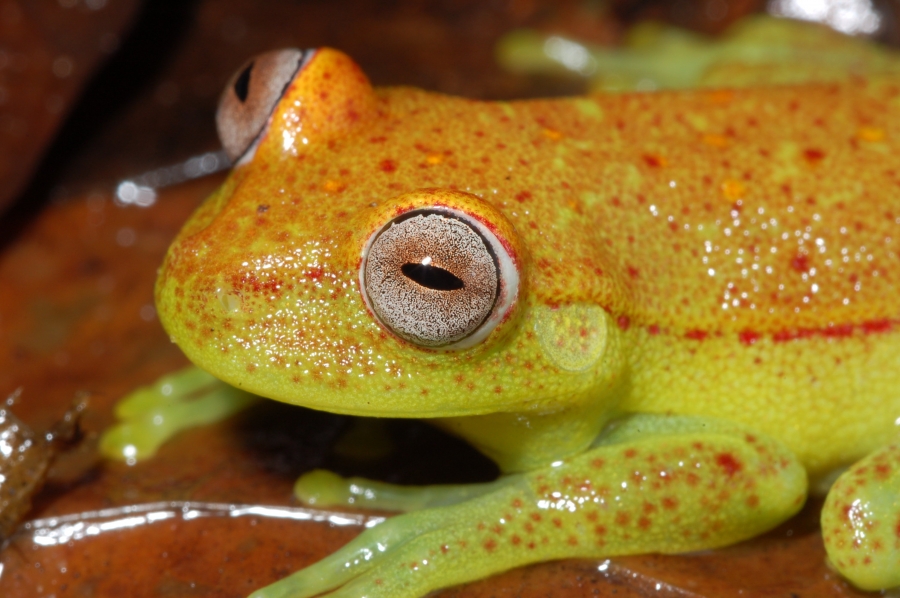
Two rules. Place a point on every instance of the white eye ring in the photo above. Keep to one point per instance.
(438, 278)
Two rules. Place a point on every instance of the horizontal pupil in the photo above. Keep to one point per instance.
(432, 277)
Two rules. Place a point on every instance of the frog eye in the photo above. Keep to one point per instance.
(438, 278)
(251, 95)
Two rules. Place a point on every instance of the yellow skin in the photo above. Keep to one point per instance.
(706, 315)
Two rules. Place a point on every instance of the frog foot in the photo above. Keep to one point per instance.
(151, 415)
(653, 484)
(861, 521)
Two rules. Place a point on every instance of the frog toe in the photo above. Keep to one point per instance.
(861, 521)
(322, 488)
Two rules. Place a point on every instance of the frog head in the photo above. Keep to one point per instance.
(365, 257)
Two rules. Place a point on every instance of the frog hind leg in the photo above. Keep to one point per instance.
(861, 521)
(654, 484)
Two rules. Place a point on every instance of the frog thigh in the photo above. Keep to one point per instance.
(654, 484)
(861, 521)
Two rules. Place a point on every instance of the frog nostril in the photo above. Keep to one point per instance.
(242, 83)
(432, 277)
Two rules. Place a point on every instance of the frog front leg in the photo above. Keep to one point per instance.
(653, 484)
(861, 521)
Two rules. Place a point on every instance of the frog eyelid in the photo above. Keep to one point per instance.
(249, 99)
(438, 278)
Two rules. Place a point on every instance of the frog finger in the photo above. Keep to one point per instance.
(151, 415)
(324, 489)
(861, 521)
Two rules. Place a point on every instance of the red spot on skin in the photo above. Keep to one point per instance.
(632, 272)
(388, 166)
(622, 519)
(644, 523)
(669, 503)
(557, 522)
(573, 541)
(517, 503)
(729, 463)
(696, 335)
(516, 540)
(813, 155)
(490, 545)
(592, 516)
(380, 139)
(653, 329)
(897, 530)
(600, 530)
(882, 470)
(693, 479)
(652, 161)
(523, 196)
(535, 516)
(800, 263)
(629, 453)
(624, 322)
(598, 463)
(876, 326)
(498, 389)
(748, 337)
(445, 549)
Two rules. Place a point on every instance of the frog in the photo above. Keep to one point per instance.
(667, 317)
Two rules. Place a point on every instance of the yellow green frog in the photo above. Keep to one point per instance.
(664, 315)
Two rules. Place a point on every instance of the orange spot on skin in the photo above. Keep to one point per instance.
(334, 186)
(553, 134)
(732, 190)
(622, 519)
(434, 159)
(871, 134)
(719, 97)
(387, 166)
(716, 140)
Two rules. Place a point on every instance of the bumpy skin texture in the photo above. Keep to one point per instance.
(721, 261)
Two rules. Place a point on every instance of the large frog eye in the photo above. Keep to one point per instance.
(438, 278)
(251, 95)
